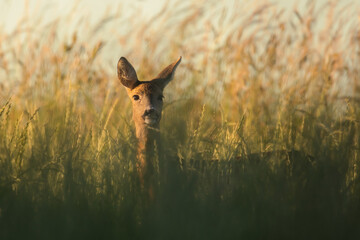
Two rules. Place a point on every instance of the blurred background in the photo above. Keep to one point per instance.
(119, 19)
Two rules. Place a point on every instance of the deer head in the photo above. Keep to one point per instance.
(146, 96)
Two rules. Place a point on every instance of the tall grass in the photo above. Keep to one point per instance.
(260, 129)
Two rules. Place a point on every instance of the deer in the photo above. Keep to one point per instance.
(147, 103)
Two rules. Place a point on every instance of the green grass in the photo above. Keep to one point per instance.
(260, 134)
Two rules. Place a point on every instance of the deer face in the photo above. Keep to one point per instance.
(147, 101)
(146, 96)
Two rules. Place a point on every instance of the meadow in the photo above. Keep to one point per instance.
(260, 128)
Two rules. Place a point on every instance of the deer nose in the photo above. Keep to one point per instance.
(150, 111)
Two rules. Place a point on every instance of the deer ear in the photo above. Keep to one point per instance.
(126, 73)
(167, 74)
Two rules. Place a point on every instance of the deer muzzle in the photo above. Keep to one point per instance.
(151, 117)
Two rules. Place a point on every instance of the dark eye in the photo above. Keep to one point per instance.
(161, 97)
(136, 97)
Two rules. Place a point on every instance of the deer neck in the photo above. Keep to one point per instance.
(146, 137)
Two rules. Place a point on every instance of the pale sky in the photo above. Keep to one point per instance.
(41, 12)
(11, 11)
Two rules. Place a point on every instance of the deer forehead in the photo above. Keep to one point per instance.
(146, 88)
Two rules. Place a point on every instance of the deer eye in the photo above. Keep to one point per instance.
(161, 97)
(136, 97)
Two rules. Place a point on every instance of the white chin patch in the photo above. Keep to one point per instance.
(150, 121)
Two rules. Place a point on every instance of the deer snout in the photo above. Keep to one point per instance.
(151, 116)
(150, 111)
